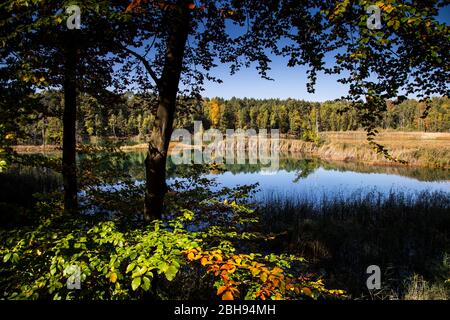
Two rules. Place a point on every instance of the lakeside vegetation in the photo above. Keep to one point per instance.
(406, 234)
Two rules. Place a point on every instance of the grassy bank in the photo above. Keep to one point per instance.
(406, 235)
(417, 148)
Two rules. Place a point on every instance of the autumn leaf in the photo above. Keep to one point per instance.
(221, 290)
(237, 260)
(255, 271)
(113, 277)
(277, 270)
(204, 261)
(190, 256)
(227, 296)
(307, 291)
(263, 277)
(134, 4)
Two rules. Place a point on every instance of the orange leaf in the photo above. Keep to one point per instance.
(234, 290)
(225, 277)
(227, 296)
(134, 4)
(307, 292)
(277, 270)
(221, 290)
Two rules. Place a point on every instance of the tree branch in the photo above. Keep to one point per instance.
(145, 63)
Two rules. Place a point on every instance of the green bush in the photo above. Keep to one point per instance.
(208, 233)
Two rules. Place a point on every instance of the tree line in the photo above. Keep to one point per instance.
(130, 116)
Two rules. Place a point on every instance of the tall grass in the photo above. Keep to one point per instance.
(403, 233)
(419, 289)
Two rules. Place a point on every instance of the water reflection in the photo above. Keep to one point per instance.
(313, 178)
(296, 177)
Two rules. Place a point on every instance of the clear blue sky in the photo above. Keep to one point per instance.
(289, 82)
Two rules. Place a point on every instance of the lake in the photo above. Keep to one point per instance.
(313, 179)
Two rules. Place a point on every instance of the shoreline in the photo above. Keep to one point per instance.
(419, 149)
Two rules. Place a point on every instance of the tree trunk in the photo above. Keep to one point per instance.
(69, 169)
(155, 163)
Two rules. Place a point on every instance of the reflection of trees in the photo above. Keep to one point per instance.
(306, 168)
(293, 163)
(421, 174)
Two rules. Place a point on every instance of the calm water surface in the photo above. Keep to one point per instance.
(312, 178)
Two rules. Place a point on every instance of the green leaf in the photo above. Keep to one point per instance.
(136, 283)
(146, 283)
(6, 257)
(15, 257)
(171, 272)
(130, 267)
(163, 267)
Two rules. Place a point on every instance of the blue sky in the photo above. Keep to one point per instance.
(289, 82)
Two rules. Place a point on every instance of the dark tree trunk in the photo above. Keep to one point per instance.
(155, 163)
(69, 169)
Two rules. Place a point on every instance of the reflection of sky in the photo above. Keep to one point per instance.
(330, 183)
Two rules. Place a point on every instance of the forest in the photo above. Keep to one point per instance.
(131, 115)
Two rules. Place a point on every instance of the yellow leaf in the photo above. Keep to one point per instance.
(204, 261)
(263, 277)
(191, 256)
(255, 271)
(113, 277)
(388, 8)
